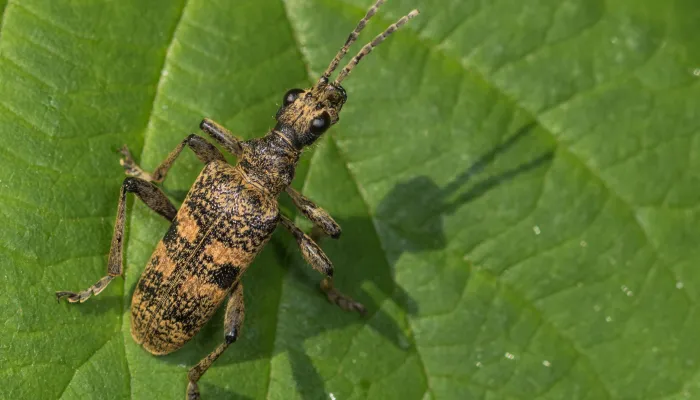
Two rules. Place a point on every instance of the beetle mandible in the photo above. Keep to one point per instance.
(227, 217)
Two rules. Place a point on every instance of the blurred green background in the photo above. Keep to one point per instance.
(517, 182)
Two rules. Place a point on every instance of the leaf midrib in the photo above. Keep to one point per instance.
(125, 333)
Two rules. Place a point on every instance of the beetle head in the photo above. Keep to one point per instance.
(306, 114)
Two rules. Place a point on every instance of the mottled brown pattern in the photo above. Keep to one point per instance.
(212, 240)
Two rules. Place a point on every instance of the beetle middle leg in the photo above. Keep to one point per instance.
(315, 214)
(235, 313)
(154, 199)
(319, 261)
(205, 152)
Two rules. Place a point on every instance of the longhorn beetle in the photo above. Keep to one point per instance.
(227, 217)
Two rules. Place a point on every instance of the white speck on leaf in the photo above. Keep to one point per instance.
(679, 285)
(510, 356)
(536, 229)
(478, 364)
(331, 396)
(608, 319)
(627, 291)
(546, 363)
(696, 72)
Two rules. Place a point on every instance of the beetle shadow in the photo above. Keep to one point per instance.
(373, 275)
(420, 229)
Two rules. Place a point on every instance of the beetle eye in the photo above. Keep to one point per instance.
(291, 96)
(320, 123)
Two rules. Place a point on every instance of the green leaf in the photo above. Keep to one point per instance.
(517, 183)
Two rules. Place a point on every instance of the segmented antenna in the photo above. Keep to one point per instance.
(351, 39)
(371, 45)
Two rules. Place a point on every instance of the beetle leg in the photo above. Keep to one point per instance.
(343, 301)
(315, 214)
(222, 136)
(154, 199)
(319, 261)
(235, 313)
(205, 152)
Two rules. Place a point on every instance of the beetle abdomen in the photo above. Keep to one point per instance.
(220, 228)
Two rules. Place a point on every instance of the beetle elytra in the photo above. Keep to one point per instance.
(227, 217)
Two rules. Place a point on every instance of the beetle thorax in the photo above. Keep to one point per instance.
(269, 162)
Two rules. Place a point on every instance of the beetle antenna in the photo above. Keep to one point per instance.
(351, 39)
(371, 45)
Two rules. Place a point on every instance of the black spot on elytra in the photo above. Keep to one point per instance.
(224, 276)
(149, 284)
(171, 236)
(155, 260)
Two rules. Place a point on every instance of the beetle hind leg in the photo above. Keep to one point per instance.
(235, 313)
(156, 200)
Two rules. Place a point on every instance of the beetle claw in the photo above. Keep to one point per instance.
(192, 391)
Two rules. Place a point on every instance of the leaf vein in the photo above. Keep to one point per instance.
(149, 126)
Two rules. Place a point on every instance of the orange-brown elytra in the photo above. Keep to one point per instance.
(227, 217)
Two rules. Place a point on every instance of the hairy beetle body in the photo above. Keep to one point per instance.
(222, 225)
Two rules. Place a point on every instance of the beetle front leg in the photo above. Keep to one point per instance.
(319, 261)
(315, 214)
(222, 136)
(155, 200)
(235, 313)
(205, 152)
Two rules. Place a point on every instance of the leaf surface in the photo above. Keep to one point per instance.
(517, 184)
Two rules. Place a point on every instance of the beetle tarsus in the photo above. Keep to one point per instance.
(192, 391)
(80, 297)
(343, 301)
(130, 166)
